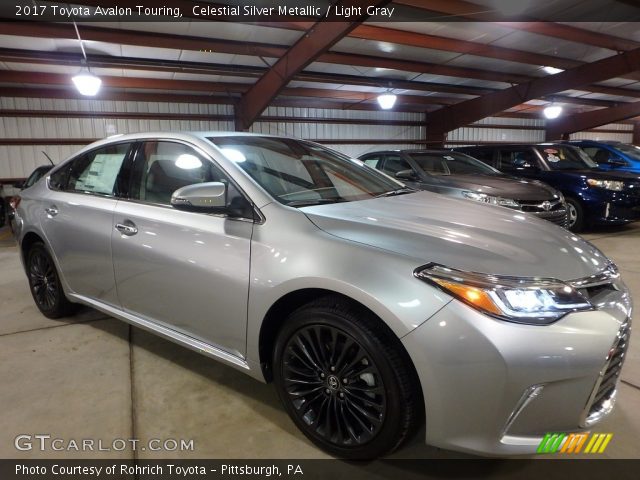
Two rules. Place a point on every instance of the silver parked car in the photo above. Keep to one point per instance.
(368, 304)
(459, 175)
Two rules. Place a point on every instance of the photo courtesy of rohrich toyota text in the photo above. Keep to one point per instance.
(364, 239)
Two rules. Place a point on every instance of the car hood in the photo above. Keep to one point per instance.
(500, 186)
(461, 234)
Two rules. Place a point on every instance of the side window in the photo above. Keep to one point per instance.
(394, 164)
(598, 155)
(96, 171)
(485, 156)
(511, 160)
(59, 178)
(164, 167)
(372, 161)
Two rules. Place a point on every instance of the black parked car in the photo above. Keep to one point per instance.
(459, 175)
(594, 196)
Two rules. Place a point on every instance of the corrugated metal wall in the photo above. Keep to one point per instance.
(619, 132)
(488, 130)
(318, 124)
(19, 160)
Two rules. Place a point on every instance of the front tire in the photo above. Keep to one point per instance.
(576, 215)
(345, 380)
(45, 285)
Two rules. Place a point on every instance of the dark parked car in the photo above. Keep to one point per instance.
(594, 196)
(459, 175)
(617, 156)
(36, 175)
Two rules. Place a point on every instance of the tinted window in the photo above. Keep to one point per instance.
(514, 159)
(372, 161)
(164, 167)
(301, 173)
(485, 156)
(36, 175)
(450, 163)
(630, 150)
(96, 171)
(394, 164)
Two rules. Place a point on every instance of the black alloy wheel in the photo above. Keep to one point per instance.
(44, 283)
(345, 380)
(334, 386)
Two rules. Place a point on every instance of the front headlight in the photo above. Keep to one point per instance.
(490, 199)
(534, 301)
(614, 185)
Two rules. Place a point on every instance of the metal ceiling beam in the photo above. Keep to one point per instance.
(144, 64)
(574, 34)
(233, 90)
(562, 127)
(469, 111)
(317, 40)
(152, 39)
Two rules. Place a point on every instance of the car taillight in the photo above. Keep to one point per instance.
(15, 201)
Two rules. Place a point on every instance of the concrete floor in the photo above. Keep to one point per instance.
(94, 377)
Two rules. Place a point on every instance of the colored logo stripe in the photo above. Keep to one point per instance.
(551, 442)
(598, 442)
(573, 443)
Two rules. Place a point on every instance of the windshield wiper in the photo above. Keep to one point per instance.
(399, 191)
(315, 201)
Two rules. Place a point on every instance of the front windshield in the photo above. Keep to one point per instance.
(560, 157)
(632, 151)
(299, 173)
(451, 163)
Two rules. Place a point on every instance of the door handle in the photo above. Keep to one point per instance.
(52, 210)
(127, 228)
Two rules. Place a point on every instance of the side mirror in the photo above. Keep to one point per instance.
(406, 175)
(616, 161)
(201, 197)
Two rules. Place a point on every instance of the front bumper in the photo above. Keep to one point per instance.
(605, 207)
(496, 388)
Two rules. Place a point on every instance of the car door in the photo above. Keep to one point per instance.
(186, 271)
(77, 219)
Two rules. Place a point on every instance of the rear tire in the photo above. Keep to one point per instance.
(45, 285)
(345, 380)
(576, 215)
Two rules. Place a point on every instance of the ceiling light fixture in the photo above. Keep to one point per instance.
(552, 70)
(86, 83)
(387, 100)
(552, 111)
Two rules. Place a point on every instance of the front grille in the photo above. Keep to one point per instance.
(554, 211)
(542, 206)
(601, 399)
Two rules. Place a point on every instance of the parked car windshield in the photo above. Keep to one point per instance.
(560, 157)
(300, 173)
(451, 163)
(632, 151)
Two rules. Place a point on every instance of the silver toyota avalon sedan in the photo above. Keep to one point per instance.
(372, 307)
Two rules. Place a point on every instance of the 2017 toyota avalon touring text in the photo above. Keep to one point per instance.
(374, 308)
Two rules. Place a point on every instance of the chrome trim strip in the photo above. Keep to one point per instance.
(527, 397)
(608, 275)
(177, 337)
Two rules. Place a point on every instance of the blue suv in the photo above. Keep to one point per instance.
(618, 156)
(594, 196)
